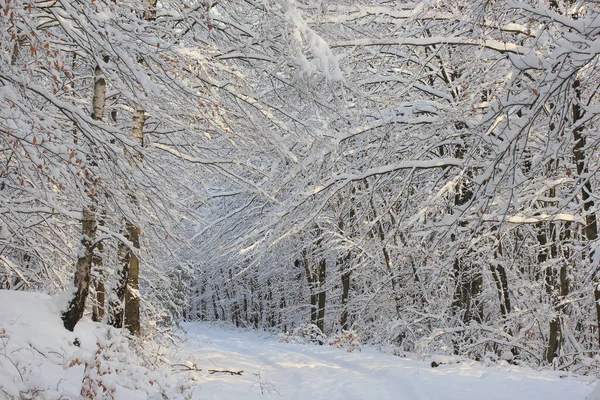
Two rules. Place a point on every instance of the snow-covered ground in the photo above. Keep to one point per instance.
(39, 360)
(274, 370)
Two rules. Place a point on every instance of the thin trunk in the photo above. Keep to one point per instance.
(591, 227)
(132, 286)
(315, 276)
(15, 53)
(99, 309)
(321, 295)
(469, 280)
(117, 301)
(499, 275)
(345, 294)
(132, 290)
(98, 104)
(129, 288)
(137, 131)
(85, 258)
(343, 261)
(99, 100)
(76, 305)
(501, 281)
(311, 280)
(98, 277)
(555, 332)
(214, 304)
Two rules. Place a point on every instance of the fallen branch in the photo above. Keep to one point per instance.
(184, 367)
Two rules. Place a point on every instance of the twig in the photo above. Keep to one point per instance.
(185, 367)
(214, 371)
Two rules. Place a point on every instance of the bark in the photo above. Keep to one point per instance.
(99, 310)
(98, 104)
(545, 253)
(315, 276)
(501, 281)
(214, 304)
(343, 263)
(321, 295)
(137, 131)
(132, 290)
(132, 287)
(345, 295)
(311, 280)
(85, 257)
(117, 302)
(15, 53)
(469, 285)
(554, 339)
(469, 280)
(99, 99)
(503, 292)
(125, 306)
(83, 271)
(499, 275)
(591, 227)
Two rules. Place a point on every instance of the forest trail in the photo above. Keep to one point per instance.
(274, 370)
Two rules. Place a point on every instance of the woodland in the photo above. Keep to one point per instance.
(423, 174)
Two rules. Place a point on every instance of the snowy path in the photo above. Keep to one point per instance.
(275, 370)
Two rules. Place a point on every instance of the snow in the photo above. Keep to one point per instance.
(436, 40)
(410, 164)
(39, 358)
(595, 395)
(294, 371)
(32, 341)
(324, 60)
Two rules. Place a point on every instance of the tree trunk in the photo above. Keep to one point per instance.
(125, 307)
(85, 258)
(132, 287)
(117, 301)
(469, 280)
(312, 287)
(501, 281)
(98, 104)
(99, 100)
(98, 276)
(343, 261)
(499, 275)
(76, 305)
(345, 294)
(99, 309)
(321, 295)
(315, 276)
(591, 227)
(132, 290)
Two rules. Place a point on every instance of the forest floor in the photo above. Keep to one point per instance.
(39, 359)
(274, 370)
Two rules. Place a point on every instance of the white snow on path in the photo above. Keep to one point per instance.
(39, 359)
(274, 370)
